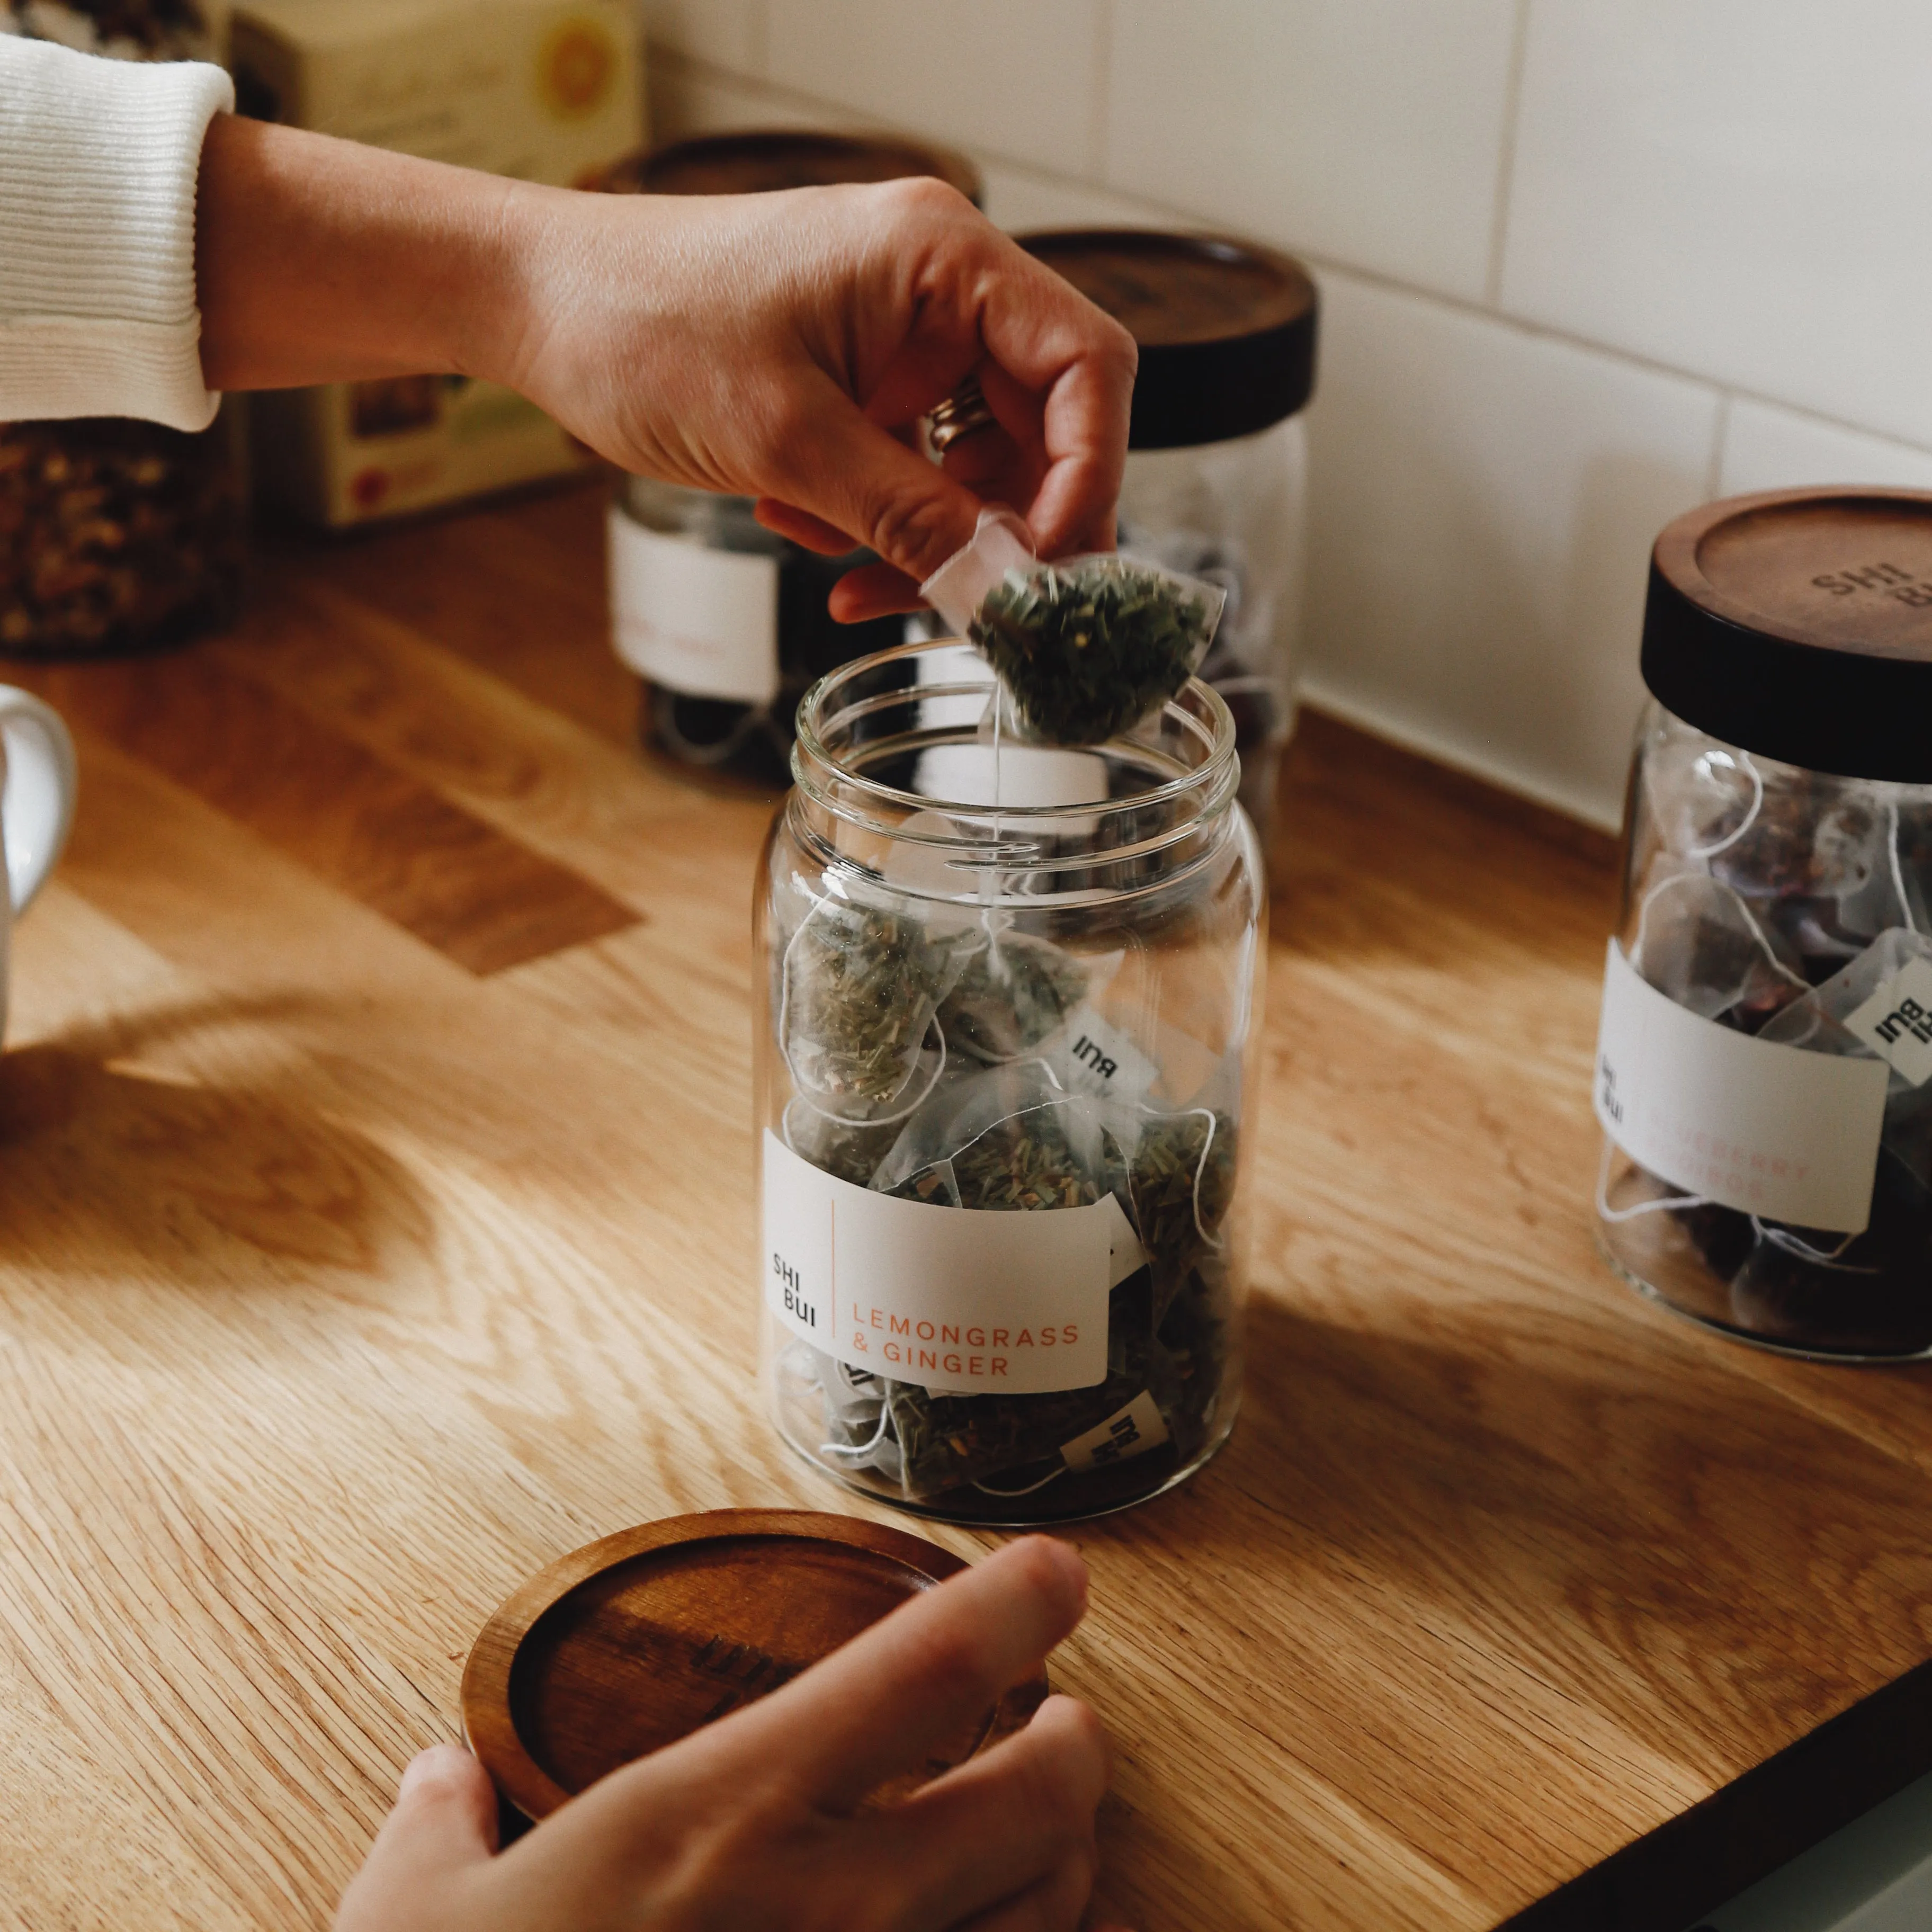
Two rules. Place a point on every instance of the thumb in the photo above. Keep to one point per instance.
(444, 1821)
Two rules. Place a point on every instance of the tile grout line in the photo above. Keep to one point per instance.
(1720, 436)
(832, 112)
(1492, 283)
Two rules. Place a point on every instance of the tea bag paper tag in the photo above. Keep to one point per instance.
(1752, 1124)
(977, 1301)
(1896, 1022)
(1093, 1057)
(1131, 1431)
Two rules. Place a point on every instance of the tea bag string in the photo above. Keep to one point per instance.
(1824, 1258)
(818, 904)
(1200, 1166)
(1051, 1476)
(1669, 1202)
(1898, 870)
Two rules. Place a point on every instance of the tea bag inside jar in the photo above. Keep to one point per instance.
(1085, 647)
(1698, 942)
(860, 985)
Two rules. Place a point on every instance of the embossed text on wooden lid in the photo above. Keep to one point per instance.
(629, 1644)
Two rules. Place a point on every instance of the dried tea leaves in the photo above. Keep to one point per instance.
(1087, 649)
(860, 987)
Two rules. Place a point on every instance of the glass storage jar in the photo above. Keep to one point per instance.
(1764, 1075)
(1005, 1089)
(725, 622)
(1217, 454)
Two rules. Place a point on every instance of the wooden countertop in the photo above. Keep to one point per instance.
(375, 1194)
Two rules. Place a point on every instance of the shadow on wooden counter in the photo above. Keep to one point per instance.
(106, 1167)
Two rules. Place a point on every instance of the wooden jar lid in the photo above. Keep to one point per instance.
(1226, 328)
(757, 161)
(1798, 623)
(629, 1644)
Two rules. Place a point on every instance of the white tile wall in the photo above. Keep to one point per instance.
(1484, 503)
(1738, 187)
(1369, 131)
(1767, 448)
(1019, 77)
(1711, 212)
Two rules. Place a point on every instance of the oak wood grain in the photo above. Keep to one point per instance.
(343, 1286)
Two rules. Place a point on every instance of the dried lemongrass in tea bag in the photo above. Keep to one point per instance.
(1085, 647)
(1015, 992)
(860, 984)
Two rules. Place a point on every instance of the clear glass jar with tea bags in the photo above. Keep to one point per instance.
(1217, 456)
(1764, 1073)
(725, 623)
(1004, 1092)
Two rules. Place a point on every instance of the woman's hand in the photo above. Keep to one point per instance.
(753, 1825)
(780, 347)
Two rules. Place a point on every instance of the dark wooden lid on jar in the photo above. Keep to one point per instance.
(1798, 623)
(759, 160)
(1226, 328)
(629, 1644)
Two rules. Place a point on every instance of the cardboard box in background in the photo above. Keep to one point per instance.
(548, 90)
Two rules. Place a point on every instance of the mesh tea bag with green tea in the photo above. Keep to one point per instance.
(1085, 647)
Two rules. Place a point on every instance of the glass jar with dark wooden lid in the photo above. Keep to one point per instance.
(1764, 1070)
(725, 622)
(1216, 475)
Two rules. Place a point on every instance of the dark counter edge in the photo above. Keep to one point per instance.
(1704, 1857)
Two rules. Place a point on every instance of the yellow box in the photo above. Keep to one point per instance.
(549, 91)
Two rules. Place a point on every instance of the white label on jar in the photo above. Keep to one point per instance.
(702, 622)
(1131, 1431)
(1093, 1057)
(1896, 1022)
(1768, 1129)
(976, 1300)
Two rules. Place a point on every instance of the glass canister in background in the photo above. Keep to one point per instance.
(725, 622)
(1764, 1075)
(1004, 1091)
(114, 535)
(1217, 480)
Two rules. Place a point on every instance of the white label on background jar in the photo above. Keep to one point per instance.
(1896, 1022)
(1131, 1431)
(975, 1300)
(1768, 1129)
(702, 622)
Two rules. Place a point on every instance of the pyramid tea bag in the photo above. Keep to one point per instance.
(859, 985)
(1085, 647)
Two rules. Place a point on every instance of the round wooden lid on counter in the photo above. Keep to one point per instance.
(1798, 623)
(758, 160)
(1226, 328)
(631, 1643)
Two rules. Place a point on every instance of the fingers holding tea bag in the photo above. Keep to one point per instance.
(1085, 647)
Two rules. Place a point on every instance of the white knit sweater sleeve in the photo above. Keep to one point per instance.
(98, 160)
